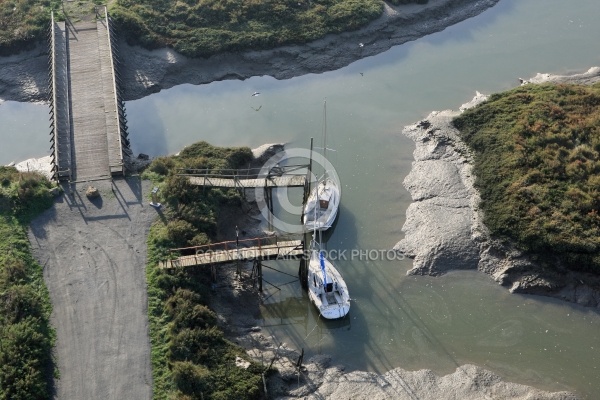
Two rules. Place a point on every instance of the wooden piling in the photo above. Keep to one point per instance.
(260, 278)
(303, 268)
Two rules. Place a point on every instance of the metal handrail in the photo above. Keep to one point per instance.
(241, 173)
(112, 65)
(254, 242)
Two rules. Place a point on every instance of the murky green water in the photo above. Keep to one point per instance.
(395, 320)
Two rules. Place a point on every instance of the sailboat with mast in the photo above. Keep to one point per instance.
(322, 204)
(327, 289)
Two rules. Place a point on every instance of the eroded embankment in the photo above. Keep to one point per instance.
(24, 77)
(444, 229)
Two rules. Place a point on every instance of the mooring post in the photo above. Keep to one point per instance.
(309, 174)
(303, 269)
(260, 276)
(237, 247)
(269, 201)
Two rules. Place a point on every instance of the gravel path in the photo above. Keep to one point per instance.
(94, 257)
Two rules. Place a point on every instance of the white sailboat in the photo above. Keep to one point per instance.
(322, 204)
(326, 287)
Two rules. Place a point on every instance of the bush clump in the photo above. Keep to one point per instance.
(191, 357)
(537, 162)
(205, 27)
(26, 338)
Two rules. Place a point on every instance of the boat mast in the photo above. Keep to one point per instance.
(324, 137)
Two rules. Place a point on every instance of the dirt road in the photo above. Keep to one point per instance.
(94, 257)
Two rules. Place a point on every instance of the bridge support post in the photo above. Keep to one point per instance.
(269, 200)
(260, 279)
(303, 268)
(238, 270)
(213, 272)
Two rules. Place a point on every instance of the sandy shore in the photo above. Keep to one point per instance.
(444, 229)
(24, 77)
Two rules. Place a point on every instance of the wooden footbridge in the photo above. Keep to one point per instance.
(251, 178)
(270, 178)
(263, 248)
(256, 250)
(88, 128)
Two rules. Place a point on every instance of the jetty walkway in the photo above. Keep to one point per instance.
(262, 248)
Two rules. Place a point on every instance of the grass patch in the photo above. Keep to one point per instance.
(537, 162)
(26, 337)
(207, 27)
(195, 28)
(200, 28)
(191, 359)
(23, 23)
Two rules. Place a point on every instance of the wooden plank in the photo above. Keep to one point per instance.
(111, 112)
(291, 248)
(87, 130)
(90, 156)
(272, 182)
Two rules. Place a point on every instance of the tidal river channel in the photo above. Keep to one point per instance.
(395, 320)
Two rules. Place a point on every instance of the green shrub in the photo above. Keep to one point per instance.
(180, 232)
(26, 338)
(537, 162)
(207, 27)
(191, 358)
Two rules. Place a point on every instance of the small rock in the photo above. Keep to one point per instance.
(92, 192)
(240, 362)
(143, 156)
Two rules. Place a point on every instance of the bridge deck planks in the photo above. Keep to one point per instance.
(286, 249)
(275, 181)
(87, 133)
(87, 104)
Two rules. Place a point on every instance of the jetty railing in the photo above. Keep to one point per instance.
(247, 173)
(258, 248)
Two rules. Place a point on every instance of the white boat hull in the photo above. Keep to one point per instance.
(316, 217)
(327, 289)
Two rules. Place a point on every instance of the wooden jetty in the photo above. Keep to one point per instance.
(247, 183)
(89, 137)
(265, 248)
(251, 178)
(274, 178)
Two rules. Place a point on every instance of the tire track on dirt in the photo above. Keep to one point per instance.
(96, 254)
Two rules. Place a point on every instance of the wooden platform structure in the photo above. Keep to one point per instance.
(251, 178)
(264, 248)
(246, 183)
(89, 136)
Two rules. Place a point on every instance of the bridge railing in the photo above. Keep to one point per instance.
(60, 117)
(119, 103)
(248, 173)
(281, 241)
(52, 99)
